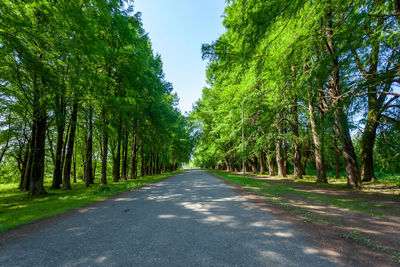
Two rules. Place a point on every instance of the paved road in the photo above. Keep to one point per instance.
(191, 219)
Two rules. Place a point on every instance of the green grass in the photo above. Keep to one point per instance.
(278, 193)
(17, 208)
(383, 179)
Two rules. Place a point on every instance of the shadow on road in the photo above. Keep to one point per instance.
(190, 219)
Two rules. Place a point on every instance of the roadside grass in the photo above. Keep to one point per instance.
(279, 193)
(17, 208)
(383, 179)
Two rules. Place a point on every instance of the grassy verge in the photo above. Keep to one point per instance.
(282, 193)
(340, 183)
(17, 208)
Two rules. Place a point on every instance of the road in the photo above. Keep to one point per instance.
(191, 219)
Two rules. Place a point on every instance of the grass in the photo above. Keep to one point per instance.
(281, 193)
(388, 180)
(17, 208)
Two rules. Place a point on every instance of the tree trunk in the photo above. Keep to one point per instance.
(28, 172)
(375, 104)
(280, 161)
(95, 167)
(341, 128)
(153, 169)
(24, 184)
(337, 162)
(37, 150)
(271, 167)
(117, 156)
(298, 171)
(66, 185)
(74, 165)
(228, 164)
(57, 174)
(353, 174)
(89, 179)
(134, 157)
(117, 163)
(262, 162)
(103, 177)
(286, 159)
(306, 155)
(124, 155)
(253, 163)
(148, 165)
(142, 161)
(60, 122)
(367, 146)
(319, 146)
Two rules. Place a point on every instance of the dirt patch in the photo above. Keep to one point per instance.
(347, 237)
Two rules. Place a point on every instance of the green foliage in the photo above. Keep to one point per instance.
(276, 64)
(94, 53)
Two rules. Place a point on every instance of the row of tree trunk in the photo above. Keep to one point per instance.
(32, 163)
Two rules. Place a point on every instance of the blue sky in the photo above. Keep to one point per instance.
(177, 28)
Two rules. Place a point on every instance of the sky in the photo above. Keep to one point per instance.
(177, 28)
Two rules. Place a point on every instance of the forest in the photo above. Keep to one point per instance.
(303, 87)
(83, 97)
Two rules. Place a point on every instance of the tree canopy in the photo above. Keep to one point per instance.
(316, 81)
(80, 85)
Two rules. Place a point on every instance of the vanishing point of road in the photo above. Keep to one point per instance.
(190, 219)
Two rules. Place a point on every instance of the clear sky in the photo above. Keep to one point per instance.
(177, 28)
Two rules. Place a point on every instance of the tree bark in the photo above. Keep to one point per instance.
(353, 174)
(89, 179)
(117, 156)
(375, 104)
(318, 146)
(24, 184)
(280, 161)
(124, 155)
(253, 163)
(271, 167)
(60, 122)
(117, 163)
(337, 162)
(74, 165)
(142, 167)
(262, 162)
(95, 166)
(66, 185)
(298, 171)
(367, 146)
(37, 149)
(132, 174)
(341, 128)
(103, 177)
(306, 155)
(57, 174)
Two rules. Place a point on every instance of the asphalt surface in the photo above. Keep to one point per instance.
(191, 219)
